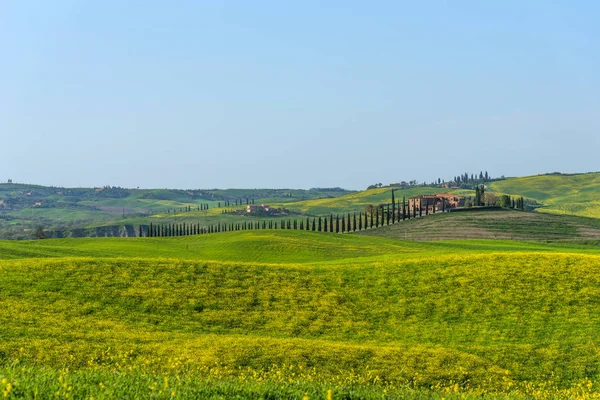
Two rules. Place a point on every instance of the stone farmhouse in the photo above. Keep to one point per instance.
(435, 203)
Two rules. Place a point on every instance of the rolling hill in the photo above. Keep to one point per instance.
(283, 314)
(496, 224)
(24, 207)
(569, 194)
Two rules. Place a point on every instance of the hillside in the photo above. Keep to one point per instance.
(364, 317)
(24, 207)
(574, 194)
(498, 224)
(357, 201)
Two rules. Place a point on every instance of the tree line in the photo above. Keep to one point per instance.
(373, 217)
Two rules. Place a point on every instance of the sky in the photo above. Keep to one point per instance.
(277, 94)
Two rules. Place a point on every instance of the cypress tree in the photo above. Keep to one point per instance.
(393, 207)
(354, 223)
(371, 217)
(320, 224)
(295, 224)
(301, 225)
(343, 224)
(360, 221)
(427, 206)
(313, 225)
(377, 217)
(325, 224)
(482, 194)
(337, 224)
(307, 223)
(421, 206)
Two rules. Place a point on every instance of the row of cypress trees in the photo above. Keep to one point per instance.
(375, 217)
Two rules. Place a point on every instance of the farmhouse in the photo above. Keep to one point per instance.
(435, 203)
(258, 209)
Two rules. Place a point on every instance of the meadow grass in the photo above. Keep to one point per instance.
(575, 194)
(376, 318)
(270, 246)
(497, 224)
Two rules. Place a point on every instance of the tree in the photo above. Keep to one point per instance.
(39, 233)
(477, 195)
(504, 201)
(482, 194)
(393, 205)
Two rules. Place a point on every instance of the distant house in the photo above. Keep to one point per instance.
(38, 204)
(258, 209)
(436, 203)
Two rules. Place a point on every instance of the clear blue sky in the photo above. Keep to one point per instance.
(203, 94)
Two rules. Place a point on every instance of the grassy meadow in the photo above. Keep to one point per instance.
(291, 314)
(497, 224)
(568, 194)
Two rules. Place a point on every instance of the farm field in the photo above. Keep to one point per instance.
(288, 314)
(497, 224)
(570, 194)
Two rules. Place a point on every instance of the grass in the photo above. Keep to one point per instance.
(575, 194)
(284, 314)
(266, 246)
(500, 224)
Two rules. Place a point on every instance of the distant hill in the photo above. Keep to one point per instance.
(23, 207)
(575, 194)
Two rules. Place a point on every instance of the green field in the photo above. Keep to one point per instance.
(498, 224)
(288, 314)
(25, 207)
(575, 194)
